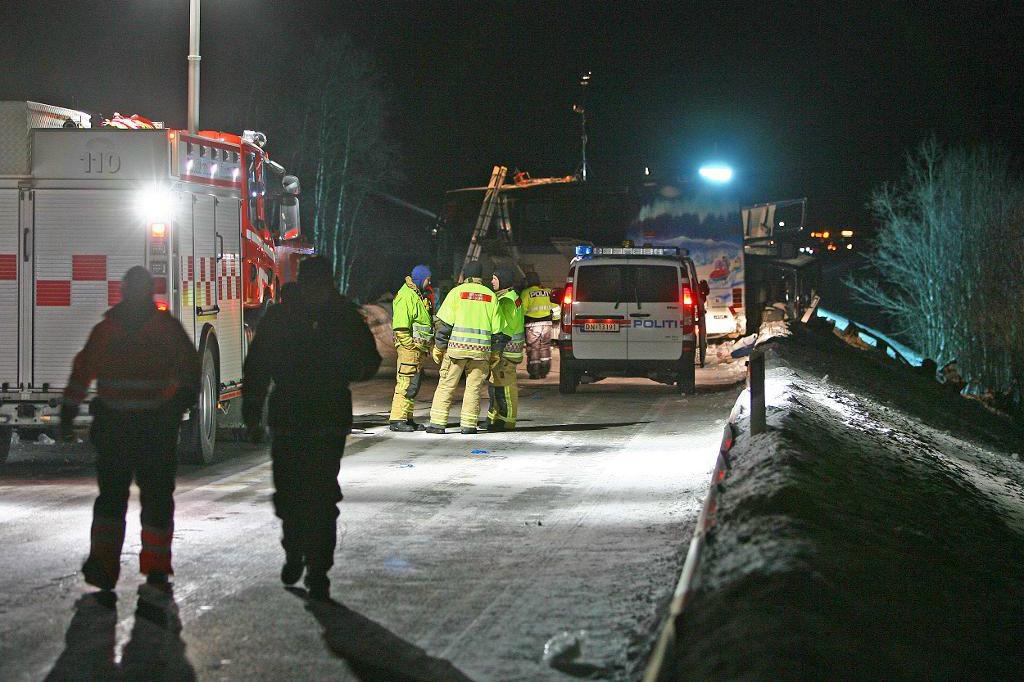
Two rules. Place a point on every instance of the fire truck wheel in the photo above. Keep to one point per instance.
(199, 434)
(6, 435)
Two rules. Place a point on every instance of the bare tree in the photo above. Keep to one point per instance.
(949, 264)
(343, 151)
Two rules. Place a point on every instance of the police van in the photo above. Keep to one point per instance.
(631, 311)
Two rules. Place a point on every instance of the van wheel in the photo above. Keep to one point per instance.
(567, 381)
(198, 435)
(686, 378)
(6, 436)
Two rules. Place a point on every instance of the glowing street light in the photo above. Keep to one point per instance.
(719, 173)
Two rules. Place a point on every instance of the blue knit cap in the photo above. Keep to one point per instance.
(420, 273)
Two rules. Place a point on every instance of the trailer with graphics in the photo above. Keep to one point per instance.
(81, 205)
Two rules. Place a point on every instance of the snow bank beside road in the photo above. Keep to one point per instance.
(876, 530)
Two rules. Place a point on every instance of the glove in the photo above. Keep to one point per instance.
(68, 412)
(437, 355)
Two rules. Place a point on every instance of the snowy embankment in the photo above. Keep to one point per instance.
(876, 530)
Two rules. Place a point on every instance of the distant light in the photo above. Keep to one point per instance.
(846, 233)
(849, 247)
(716, 172)
(647, 170)
(782, 223)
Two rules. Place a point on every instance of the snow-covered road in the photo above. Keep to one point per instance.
(458, 555)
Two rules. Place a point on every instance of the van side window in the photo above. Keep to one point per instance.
(604, 283)
(658, 284)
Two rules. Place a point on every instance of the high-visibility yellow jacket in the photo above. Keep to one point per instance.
(410, 318)
(510, 314)
(537, 303)
(467, 322)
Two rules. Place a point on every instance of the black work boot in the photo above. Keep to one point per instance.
(319, 588)
(96, 576)
(468, 430)
(497, 426)
(434, 429)
(404, 427)
(414, 425)
(292, 569)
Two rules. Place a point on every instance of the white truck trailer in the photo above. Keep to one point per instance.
(79, 206)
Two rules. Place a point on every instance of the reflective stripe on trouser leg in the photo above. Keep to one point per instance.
(538, 344)
(504, 394)
(449, 374)
(106, 539)
(407, 384)
(477, 372)
(156, 550)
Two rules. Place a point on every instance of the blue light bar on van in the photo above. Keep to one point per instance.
(584, 250)
(634, 251)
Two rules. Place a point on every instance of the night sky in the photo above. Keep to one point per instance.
(803, 100)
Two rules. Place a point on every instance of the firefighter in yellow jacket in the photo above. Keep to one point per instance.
(414, 335)
(537, 310)
(465, 330)
(504, 388)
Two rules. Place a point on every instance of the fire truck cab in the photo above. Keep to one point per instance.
(82, 205)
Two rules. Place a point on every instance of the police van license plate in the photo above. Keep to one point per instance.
(600, 327)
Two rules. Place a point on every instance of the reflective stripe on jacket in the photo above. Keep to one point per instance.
(537, 301)
(467, 321)
(510, 313)
(411, 315)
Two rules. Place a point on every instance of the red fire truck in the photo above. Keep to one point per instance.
(80, 205)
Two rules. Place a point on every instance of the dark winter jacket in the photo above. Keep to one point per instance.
(311, 353)
(141, 359)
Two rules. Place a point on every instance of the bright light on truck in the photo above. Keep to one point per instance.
(153, 204)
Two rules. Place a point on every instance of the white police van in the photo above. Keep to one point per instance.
(630, 311)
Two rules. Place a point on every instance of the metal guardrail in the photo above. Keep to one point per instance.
(660, 667)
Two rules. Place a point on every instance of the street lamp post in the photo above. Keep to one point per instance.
(193, 66)
(582, 111)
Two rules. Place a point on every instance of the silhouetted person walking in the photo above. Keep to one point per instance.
(311, 347)
(147, 374)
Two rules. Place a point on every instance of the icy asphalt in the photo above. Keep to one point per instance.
(459, 557)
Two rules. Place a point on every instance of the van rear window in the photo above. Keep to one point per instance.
(657, 284)
(604, 283)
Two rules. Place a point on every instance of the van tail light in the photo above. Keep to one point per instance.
(687, 296)
(567, 309)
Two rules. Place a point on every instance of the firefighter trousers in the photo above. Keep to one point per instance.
(407, 383)
(538, 349)
(306, 495)
(450, 372)
(137, 446)
(504, 394)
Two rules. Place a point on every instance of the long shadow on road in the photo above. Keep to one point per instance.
(154, 652)
(374, 653)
